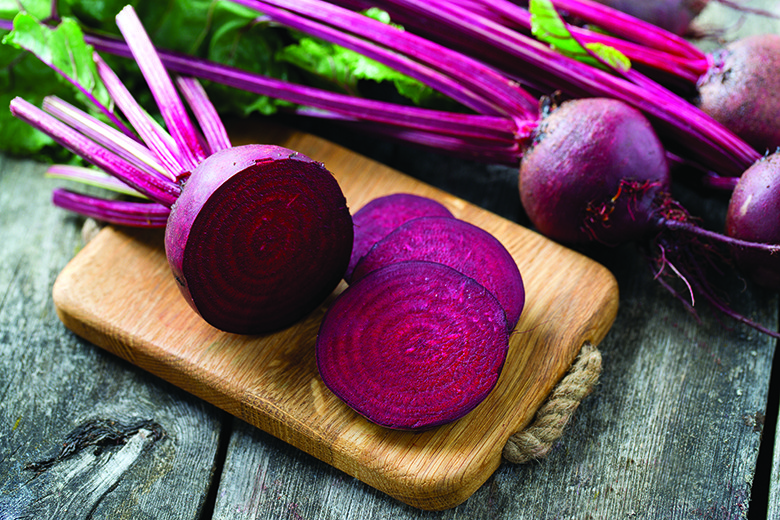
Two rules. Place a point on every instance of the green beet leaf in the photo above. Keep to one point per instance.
(547, 26)
(62, 48)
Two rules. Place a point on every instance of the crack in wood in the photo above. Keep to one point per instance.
(100, 433)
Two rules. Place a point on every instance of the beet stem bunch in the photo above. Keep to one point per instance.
(256, 236)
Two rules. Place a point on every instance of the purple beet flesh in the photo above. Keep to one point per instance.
(458, 244)
(260, 236)
(382, 215)
(413, 345)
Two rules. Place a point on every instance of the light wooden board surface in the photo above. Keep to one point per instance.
(119, 294)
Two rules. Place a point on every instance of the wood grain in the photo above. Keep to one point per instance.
(118, 293)
(53, 384)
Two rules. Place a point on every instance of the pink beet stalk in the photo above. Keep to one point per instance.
(243, 225)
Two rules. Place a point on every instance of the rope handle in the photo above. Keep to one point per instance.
(536, 440)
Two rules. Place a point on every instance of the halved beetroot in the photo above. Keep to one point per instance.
(260, 236)
(413, 345)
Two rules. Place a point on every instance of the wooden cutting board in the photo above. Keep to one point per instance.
(118, 293)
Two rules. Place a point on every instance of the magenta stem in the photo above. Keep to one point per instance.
(160, 190)
(126, 213)
(687, 227)
(455, 75)
(153, 135)
(688, 66)
(171, 108)
(105, 135)
(209, 121)
(435, 121)
(685, 124)
(630, 27)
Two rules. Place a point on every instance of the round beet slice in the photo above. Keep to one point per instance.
(382, 215)
(458, 244)
(413, 345)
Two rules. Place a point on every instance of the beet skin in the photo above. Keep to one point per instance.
(754, 215)
(742, 90)
(594, 172)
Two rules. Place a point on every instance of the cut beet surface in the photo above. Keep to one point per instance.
(260, 236)
(457, 244)
(382, 215)
(413, 345)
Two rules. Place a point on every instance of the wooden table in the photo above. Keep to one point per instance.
(681, 425)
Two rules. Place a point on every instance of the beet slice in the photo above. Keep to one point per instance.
(456, 243)
(413, 345)
(382, 215)
(260, 236)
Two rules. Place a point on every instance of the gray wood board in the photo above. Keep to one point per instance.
(141, 448)
(672, 430)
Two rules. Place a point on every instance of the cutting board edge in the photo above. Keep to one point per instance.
(427, 494)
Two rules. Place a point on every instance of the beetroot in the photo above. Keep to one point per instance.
(465, 247)
(256, 236)
(382, 215)
(594, 172)
(259, 237)
(413, 345)
(754, 215)
(742, 90)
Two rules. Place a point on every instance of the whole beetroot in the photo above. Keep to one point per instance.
(754, 215)
(594, 171)
(741, 90)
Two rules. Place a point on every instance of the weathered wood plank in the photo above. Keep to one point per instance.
(141, 448)
(672, 430)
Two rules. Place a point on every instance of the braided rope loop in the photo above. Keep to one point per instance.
(536, 441)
